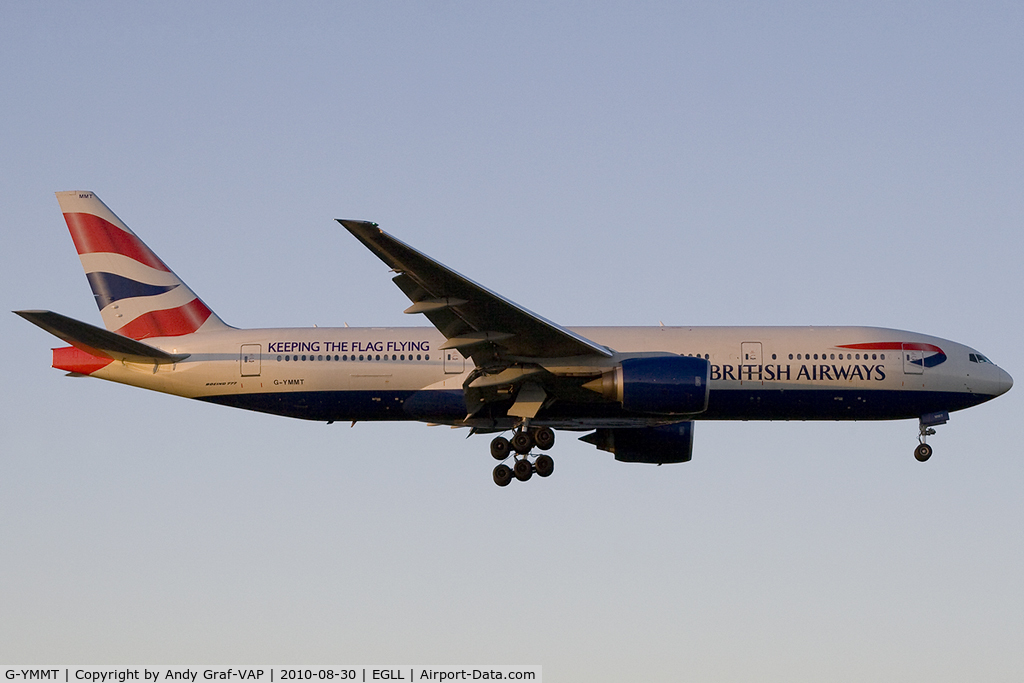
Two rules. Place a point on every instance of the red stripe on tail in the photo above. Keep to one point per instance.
(171, 322)
(94, 235)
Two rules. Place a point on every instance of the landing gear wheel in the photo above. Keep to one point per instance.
(544, 438)
(923, 452)
(500, 448)
(545, 465)
(522, 442)
(523, 469)
(502, 475)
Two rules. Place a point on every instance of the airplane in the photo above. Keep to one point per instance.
(494, 367)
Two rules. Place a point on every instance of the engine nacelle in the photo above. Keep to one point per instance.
(659, 385)
(655, 445)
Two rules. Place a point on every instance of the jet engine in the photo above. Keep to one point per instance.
(659, 385)
(655, 445)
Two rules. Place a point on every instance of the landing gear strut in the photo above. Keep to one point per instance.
(521, 443)
(927, 423)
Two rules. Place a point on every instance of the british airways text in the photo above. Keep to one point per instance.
(782, 373)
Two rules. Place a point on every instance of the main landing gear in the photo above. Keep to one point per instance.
(927, 423)
(520, 445)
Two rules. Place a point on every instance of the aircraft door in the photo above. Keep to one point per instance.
(750, 353)
(913, 361)
(249, 360)
(750, 362)
(454, 362)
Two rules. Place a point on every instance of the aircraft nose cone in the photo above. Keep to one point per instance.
(1005, 381)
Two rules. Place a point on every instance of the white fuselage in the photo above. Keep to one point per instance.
(833, 373)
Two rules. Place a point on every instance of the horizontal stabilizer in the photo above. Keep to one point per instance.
(98, 341)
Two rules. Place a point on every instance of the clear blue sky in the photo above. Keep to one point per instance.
(718, 163)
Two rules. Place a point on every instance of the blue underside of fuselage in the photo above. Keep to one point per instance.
(449, 406)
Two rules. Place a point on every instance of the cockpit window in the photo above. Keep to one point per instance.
(978, 358)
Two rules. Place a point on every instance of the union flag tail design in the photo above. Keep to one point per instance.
(137, 294)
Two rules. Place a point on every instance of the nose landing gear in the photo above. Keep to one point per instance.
(927, 422)
(522, 442)
(923, 451)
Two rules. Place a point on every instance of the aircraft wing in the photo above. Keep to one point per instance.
(474, 320)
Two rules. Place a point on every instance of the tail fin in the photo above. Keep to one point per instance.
(137, 294)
